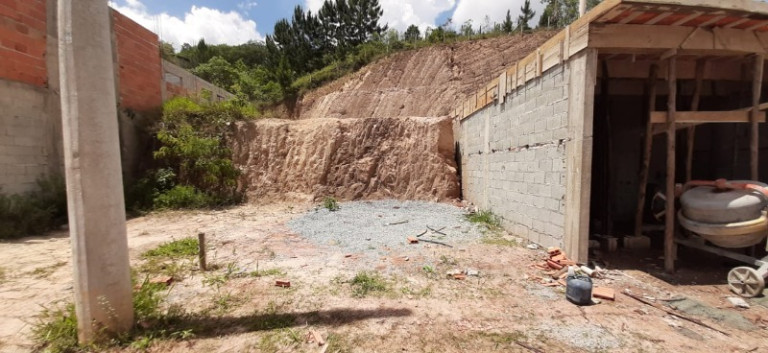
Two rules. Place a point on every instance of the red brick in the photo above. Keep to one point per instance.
(283, 283)
(604, 293)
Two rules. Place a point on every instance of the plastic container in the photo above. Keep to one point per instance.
(578, 289)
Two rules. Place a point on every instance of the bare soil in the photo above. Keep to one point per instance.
(504, 309)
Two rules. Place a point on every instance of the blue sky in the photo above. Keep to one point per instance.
(238, 21)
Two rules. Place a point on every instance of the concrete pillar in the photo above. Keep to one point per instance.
(582, 7)
(92, 166)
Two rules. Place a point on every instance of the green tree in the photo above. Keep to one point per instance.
(219, 72)
(412, 34)
(466, 29)
(560, 13)
(526, 14)
(508, 26)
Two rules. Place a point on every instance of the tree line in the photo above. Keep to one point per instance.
(309, 48)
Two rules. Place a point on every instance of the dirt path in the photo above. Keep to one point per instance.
(420, 310)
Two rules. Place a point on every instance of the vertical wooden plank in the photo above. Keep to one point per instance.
(691, 133)
(754, 137)
(578, 152)
(647, 148)
(669, 230)
(502, 87)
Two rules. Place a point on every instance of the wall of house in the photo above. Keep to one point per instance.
(180, 82)
(513, 158)
(528, 158)
(30, 118)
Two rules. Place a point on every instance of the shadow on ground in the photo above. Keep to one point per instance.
(206, 326)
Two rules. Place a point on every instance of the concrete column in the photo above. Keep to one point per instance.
(92, 166)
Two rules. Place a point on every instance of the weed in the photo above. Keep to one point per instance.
(445, 260)
(175, 249)
(57, 330)
(499, 240)
(422, 293)
(34, 212)
(337, 343)
(45, 271)
(270, 319)
(365, 283)
(331, 204)
(503, 339)
(428, 270)
(267, 272)
(485, 218)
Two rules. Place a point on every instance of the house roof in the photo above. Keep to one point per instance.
(654, 29)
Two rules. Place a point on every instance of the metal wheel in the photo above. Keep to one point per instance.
(745, 281)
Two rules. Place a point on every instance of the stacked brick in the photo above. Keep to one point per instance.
(139, 66)
(23, 41)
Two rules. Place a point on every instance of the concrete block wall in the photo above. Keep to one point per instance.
(513, 158)
(180, 82)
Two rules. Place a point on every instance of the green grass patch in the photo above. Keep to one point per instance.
(365, 283)
(267, 273)
(499, 241)
(186, 247)
(331, 204)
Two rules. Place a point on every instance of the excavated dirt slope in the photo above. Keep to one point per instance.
(383, 151)
(410, 158)
(425, 82)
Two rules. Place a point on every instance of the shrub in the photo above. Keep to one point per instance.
(34, 212)
(331, 204)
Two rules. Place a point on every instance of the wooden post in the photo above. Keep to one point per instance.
(754, 137)
(647, 148)
(201, 251)
(669, 230)
(700, 66)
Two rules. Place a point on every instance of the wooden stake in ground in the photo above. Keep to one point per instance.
(754, 136)
(647, 147)
(201, 251)
(669, 231)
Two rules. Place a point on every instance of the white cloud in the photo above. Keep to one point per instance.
(477, 10)
(400, 14)
(215, 26)
(246, 6)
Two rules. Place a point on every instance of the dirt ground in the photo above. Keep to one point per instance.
(505, 308)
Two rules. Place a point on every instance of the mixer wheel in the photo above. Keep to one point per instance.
(745, 281)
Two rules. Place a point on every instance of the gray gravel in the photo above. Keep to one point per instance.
(372, 227)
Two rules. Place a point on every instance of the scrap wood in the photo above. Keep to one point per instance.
(438, 231)
(436, 242)
(530, 348)
(422, 233)
(397, 223)
(671, 312)
(313, 336)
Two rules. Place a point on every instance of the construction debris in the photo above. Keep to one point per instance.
(412, 240)
(670, 312)
(738, 302)
(167, 280)
(313, 336)
(283, 283)
(604, 293)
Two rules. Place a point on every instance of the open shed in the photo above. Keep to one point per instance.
(577, 138)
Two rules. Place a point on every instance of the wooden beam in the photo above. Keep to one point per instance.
(578, 152)
(730, 116)
(755, 115)
(658, 18)
(647, 148)
(691, 136)
(628, 36)
(669, 229)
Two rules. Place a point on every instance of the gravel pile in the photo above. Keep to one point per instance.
(373, 227)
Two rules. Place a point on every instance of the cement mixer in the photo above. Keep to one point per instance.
(730, 215)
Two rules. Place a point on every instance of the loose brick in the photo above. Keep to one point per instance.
(604, 293)
(283, 283)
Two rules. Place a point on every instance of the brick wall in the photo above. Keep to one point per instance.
(138, 64)
(23, 41)
(513, 158)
